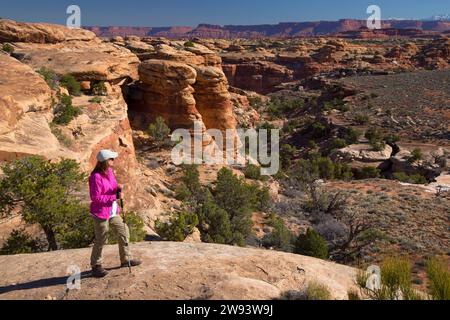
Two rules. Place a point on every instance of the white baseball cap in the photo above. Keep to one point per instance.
(105, 155)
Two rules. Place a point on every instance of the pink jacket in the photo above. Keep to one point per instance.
(103, 191)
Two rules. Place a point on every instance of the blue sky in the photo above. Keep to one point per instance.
(191, 13)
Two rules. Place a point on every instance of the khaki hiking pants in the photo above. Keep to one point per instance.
(121, 231)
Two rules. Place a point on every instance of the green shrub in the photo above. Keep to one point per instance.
(368, 173)
(396, 281)
(279, 107)
(413, 179)
(8, 48)
(416, 155)
(252, 172)
(338, 144)
(178, 228)
(375, 139)
(45, 193)
(311, 244)
(215, 224)
(287, 153)
(19, 242)
(353, 295)
(191, 178)
(317, 291)
(281, 238)
(392, 138)
(238, 200)
(71, 84)
(323, 168)
(160, 132)
(135, 226)
(318, 129)
(182, 192)
(99, 89)
(362, 119)
(352, 136)
(439, 279)
(59, 134)
(224, 216)
(189, 44)
(97, 100)
(396, 277)
(65, 112)
(49, 76)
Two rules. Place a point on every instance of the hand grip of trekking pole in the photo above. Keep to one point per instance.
(119, 198)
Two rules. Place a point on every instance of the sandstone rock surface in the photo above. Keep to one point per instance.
(13, 31)
(86, 61)
(173, 271)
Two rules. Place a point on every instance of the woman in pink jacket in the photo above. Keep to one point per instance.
(105, 211)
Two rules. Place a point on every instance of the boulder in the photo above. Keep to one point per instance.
(13, 31)
(86, 61)
(362, 153)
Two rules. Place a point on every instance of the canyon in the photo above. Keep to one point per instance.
(325, 85)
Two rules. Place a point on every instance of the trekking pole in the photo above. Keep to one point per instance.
(119, 193)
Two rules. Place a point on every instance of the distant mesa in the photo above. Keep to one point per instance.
(438, 24)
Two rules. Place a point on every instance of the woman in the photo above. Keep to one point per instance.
(105, 211)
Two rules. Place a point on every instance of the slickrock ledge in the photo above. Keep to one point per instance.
(173, 271)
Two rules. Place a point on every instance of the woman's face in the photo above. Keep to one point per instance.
(111, 163)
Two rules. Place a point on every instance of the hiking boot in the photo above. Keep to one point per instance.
(99, 272)
(132, 263)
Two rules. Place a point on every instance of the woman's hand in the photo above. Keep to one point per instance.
(120, 188)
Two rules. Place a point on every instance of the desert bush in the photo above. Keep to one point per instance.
(8, 48)
(279, 107)
(160, 132)
(178, 227)
(19, 242)
(352, 135)
(439, 279)
(338, 144)
(99, 89)
(215, 224)
(238, 199)
(318, 130)
(353, 295)
(182, 192)
(59, 134)
(281, 238)
(189, 44)
(317, 291)
(290, 126)
(322, 168)
(368, 173)
(416, 155)
(392, 138)
(71, 84)
(287, 153)
(362, 119)
(97, 100)
(49, 76)
(375, 139)
(135, 226)
(252, 172)
(395, 282)
(65, 112)
(224, 216)
(311, 244)
(45, 194)
(413, 179)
